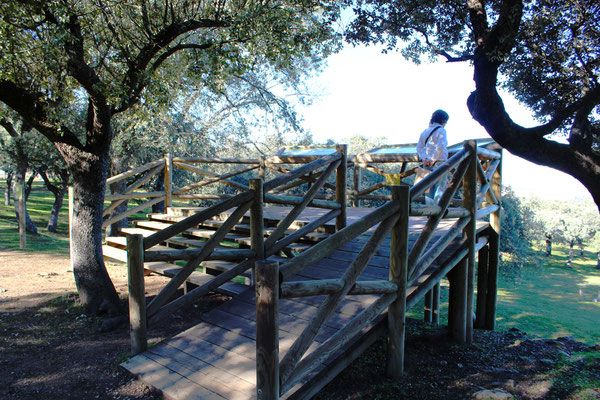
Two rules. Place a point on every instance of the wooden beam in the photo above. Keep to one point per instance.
(132, 211)
(195, 219)
(134, 171)
(301, 345)
(216, 160)
(293, 200)
(257, 226)
(218, 178)
(340, 186)
(398, 275)
(482, 287)
(305, 169)
(436, 175)
(137, 297)
(201, 171)
(267, 330)
(470, 232)
(333, 242)
(168, 180)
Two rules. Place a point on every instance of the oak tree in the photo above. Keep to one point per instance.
(105, 57)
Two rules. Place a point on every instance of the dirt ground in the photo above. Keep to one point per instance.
(49, 349)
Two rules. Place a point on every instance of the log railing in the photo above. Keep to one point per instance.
(139, 178)
(415, 271)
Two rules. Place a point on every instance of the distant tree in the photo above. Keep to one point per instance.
(544, 52)
(517, 223)
(15, 144)
(568, 222)
(61, 57)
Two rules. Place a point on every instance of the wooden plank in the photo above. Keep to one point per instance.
(170, 383)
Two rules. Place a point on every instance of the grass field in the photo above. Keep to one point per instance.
(545, 298)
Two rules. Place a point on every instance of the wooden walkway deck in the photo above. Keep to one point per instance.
(216, 358)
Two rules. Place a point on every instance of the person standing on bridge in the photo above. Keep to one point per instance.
(432, 148)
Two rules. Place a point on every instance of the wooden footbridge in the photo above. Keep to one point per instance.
(312, 282)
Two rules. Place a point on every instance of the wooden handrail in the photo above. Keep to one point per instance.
(437, 174)
(333, 242)
(188, 254)
(293, 200)
(281, 180)
(134, 171)
(195, 219)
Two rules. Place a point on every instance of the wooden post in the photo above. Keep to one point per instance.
(261, 168)
(494, 252)
(398, 275)
(356, 183)
(482, 287)
(428, 309)
(457, 312)
(257, 229)
(340, 186)
(267, 330)
(71, 208)
(168, 181)
(137, 297)
(470, 204)
(435, 306)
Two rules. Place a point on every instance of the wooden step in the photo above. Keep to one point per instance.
(116, 248)
(196, 278)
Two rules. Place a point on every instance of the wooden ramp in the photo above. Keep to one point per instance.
(216, 359)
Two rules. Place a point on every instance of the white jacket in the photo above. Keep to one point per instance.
(437, 146)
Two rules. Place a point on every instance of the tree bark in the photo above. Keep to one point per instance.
(89, 168)
(598, 263)
(548, 245)
(9, 177)
(570, 262)
(19, 178)
(159, 186)
(56, 206)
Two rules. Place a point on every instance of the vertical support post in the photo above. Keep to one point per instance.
(168, 180)
(470, 232)
(137, 297)
(356, 178)
(482, 287)
(457, 307)
(261, 168)
(257, 228)
(435, 307)
(494, 239)
(20, 200)
(398, 275)
(428, 309)
(340, 186)
(267, 330)
(71, 211)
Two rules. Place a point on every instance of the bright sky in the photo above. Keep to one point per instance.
(373, 94)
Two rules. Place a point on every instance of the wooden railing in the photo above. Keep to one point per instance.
(411, 276)
(141, 176)
(139, 248)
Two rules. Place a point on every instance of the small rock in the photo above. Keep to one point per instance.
(3, 290)
(459, 365)
(493, 394)
(443, 362)
(527, 359)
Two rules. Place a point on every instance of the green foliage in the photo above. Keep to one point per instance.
(568, 222)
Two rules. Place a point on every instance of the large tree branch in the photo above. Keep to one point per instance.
(34, 113)
(134, 79)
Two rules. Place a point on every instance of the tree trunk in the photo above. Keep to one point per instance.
(89, 168)
(548, 246)
(570, 262)
(9, 177)
(58, 202)
(598, 262)
(19, 178)
(159, 186)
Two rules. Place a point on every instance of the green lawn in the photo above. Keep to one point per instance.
(551, 300)
(38, 205)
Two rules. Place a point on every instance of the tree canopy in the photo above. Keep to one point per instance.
(545, 52)
(101, 58)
